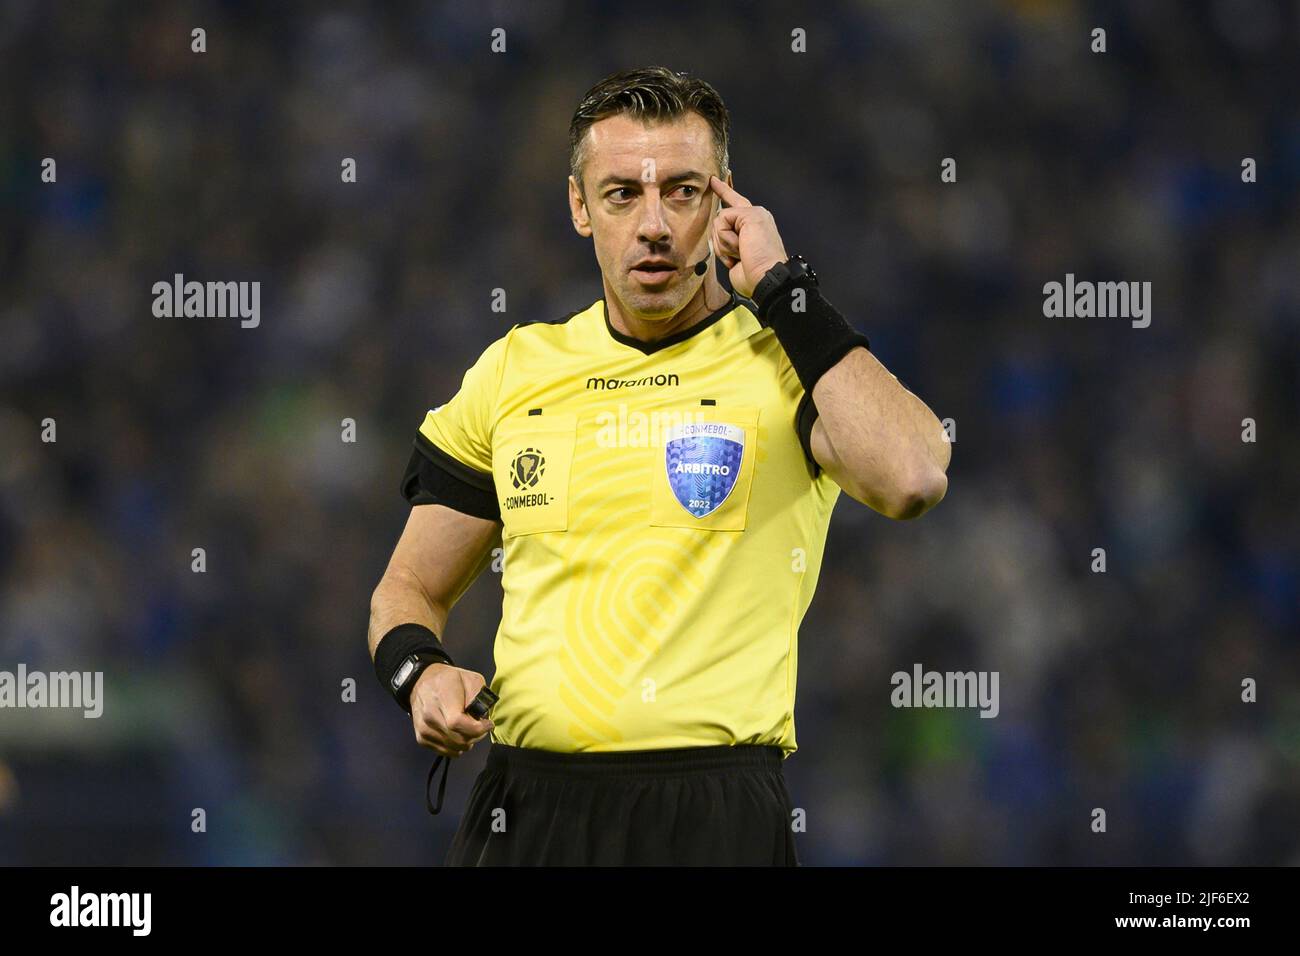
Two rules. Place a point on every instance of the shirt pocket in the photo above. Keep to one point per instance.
(703, 469)
(531, 459)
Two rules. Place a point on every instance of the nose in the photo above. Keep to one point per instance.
(653, 228)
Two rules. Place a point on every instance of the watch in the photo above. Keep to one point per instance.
(795, 271)
(408, 672)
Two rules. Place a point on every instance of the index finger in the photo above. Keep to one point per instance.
(729, 195)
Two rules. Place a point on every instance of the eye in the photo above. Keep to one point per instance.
(614, 193)
(688, 186)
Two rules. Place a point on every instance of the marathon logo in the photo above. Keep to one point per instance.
(608, 383)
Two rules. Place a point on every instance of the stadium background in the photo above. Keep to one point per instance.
(1118, 690)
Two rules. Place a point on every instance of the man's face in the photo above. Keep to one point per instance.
(648, 197)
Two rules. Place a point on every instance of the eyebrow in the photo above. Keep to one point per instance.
(636, 181)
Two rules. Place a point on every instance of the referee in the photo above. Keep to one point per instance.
(660, 469)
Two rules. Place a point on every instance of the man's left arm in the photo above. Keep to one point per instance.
(876, 440)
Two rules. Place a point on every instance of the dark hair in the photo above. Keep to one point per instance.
(652, 95)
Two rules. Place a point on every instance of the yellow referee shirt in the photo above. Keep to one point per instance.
(662, 525)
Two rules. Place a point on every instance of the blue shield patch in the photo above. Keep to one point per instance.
(703, 461)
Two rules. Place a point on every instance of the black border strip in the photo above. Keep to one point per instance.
(434, 477)
(804, 418)
(649, 348)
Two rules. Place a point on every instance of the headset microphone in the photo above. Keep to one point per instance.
(702, 266)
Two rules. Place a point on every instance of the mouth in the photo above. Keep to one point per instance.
(653, 273)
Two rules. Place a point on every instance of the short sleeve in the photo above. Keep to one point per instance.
(452, 460)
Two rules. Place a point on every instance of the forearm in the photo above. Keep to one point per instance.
(869, 415)
(887, 447)
(439, 555)
(400, 598)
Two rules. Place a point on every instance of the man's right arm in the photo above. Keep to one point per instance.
(440, 553)
(454, 523)
(437, 558)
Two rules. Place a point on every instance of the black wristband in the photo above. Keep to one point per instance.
(401, 643)
(814, 339)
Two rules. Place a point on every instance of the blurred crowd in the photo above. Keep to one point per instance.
(227, 690)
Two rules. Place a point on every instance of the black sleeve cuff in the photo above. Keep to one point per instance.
(435, 478)
(804, 417)
(815, 339)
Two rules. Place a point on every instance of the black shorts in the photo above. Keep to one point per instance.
(695, 806)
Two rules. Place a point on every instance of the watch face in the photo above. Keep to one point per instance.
(403, 672)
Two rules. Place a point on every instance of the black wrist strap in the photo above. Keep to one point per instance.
(399, 644)
(442, 787)
(814, 339)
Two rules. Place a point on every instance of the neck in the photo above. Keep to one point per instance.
(708, 298)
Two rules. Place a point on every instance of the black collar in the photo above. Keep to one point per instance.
(649, 348)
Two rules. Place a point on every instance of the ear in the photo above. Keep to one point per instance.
(578, 210)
